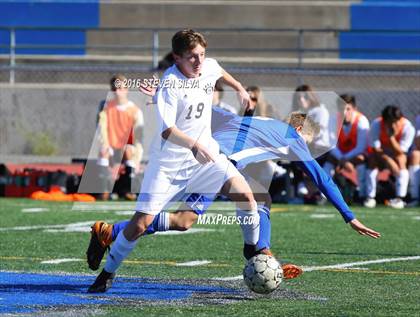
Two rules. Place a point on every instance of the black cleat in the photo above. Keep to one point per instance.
(251, 250)
(100, 239)
(102, 283)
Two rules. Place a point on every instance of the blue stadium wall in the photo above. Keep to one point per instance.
(76, 14)
(400, 20)
(400, 40)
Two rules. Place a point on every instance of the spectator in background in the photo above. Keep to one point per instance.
(391, 136)
(258, 106)
(120, 124)
(414, 166)
(352, 142)
(306, 100)
(217, 98)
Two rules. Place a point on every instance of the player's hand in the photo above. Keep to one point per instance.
(394, 129)
(363, 230)
(244, 99)
(202, 154)
(148, 88)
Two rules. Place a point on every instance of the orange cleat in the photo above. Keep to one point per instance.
(291, 271)
(100, 240)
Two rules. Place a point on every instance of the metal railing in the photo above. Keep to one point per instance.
(155, 47)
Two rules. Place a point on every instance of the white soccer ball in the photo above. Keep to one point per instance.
(262, 274)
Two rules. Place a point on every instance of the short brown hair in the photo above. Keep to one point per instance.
(348, 99)
(299, 119)
(186, 40)
(114, 79)
(391, 113)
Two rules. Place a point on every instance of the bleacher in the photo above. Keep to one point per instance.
(90, 17)
(395, 27)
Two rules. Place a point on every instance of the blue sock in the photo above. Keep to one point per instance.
(117, 227)
(265, 228)
(160, 223)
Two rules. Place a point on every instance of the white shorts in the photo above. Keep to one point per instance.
(201, 183)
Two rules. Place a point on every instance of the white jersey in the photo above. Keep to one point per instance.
(321, 116)
(187, 104)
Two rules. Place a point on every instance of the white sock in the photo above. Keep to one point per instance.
(130, 163)
(361, 179)
(371, 182)
(414, 181)
(402, 183)
(103, 162)
(250, 224)
(328, 168)
(163, 222)
(119, 251)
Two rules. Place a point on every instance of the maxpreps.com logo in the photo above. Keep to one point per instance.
(208, 88)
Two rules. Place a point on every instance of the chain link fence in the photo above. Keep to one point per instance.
(52, 110)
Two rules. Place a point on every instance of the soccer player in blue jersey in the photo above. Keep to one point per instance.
(246, 140)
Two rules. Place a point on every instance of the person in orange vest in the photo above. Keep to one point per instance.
(391, 136)
(352, 142)
(414, 167)
(120, 124)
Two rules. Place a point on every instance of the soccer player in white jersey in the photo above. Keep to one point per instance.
(184, 157)
(245, 140)
(391, 136)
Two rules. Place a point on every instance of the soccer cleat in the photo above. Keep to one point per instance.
(102, 283)
(100, 240)
(370, 203)
(396, 203)
(249, 251)
(291, 271)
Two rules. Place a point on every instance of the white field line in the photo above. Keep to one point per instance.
(124, 212)
(70, 227)
(85, 227)
(189, 231)
(351, 264)
(322, 216)
(33, 210)
(187, 264)
(336, 266)
(58, 261)
(193, 263)
(122, 206)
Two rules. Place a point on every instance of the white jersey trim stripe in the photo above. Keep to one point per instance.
(283, 150)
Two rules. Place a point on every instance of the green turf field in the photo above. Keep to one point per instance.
(32, 234)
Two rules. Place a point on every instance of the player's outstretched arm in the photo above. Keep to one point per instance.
(242, 93)
(363, 230)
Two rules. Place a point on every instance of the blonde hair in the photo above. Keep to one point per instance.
(299, 119)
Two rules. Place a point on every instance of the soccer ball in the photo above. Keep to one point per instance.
(262, 274)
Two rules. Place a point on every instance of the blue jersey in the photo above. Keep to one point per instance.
(248, 140)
